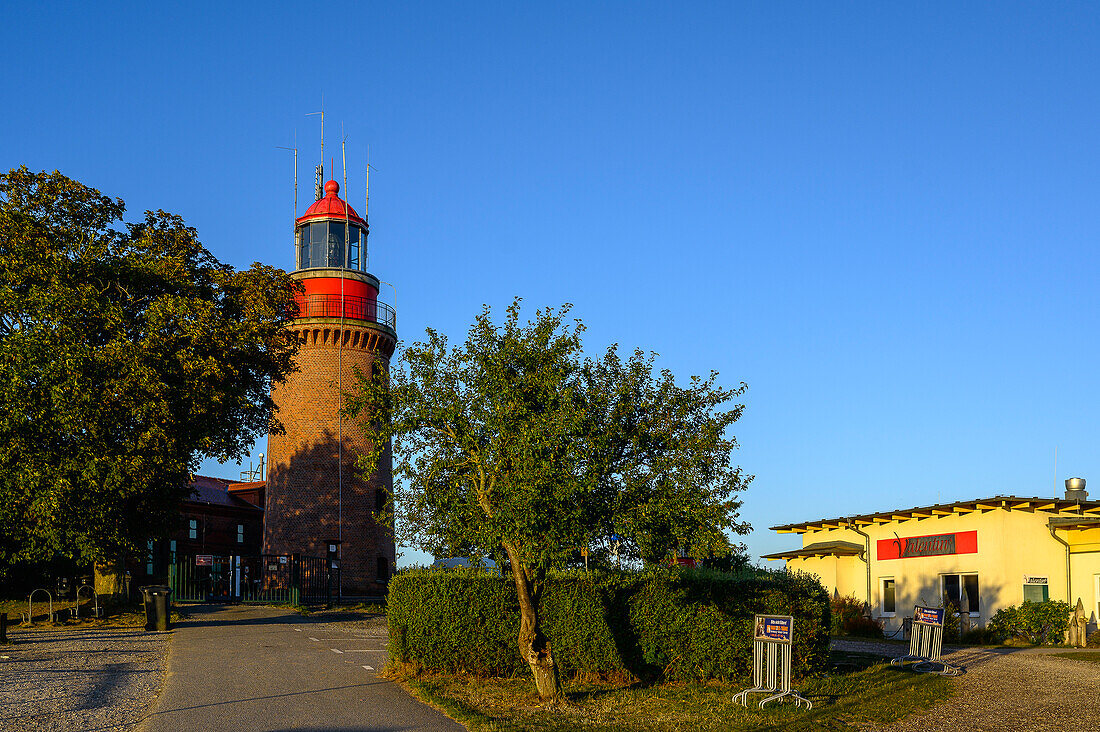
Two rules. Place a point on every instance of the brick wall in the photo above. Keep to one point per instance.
(303, 495)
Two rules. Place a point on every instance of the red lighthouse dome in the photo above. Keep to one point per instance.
(331, 206)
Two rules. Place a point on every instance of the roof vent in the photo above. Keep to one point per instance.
(1075, 489)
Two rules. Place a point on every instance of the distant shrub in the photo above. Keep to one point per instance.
(668, 624)
(1093, 641)
(979, 637)
(844, 610)
(951, 629)
(864, 628)
(1035, 622)
(850, 617)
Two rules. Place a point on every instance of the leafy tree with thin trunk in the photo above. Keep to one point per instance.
(127, 354)
(514, 443)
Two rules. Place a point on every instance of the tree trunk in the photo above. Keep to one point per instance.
(534, 646)
(108, 579)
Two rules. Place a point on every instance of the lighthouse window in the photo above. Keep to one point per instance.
(336, 244)
(353, 247)
(318, 232)
(302, 236)
(321, 244)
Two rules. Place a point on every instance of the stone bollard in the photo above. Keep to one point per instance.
(1077, 632)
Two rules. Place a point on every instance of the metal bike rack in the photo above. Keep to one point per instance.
(30, 610)
(771, 662)
(926, 644)
(94, 597)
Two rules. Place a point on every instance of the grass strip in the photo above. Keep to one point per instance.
(876, 695)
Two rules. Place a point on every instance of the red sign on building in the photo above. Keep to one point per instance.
(905, 547)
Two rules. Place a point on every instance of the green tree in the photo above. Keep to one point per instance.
(127, 354)
(514, 443)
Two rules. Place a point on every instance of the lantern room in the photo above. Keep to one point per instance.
(330, 234)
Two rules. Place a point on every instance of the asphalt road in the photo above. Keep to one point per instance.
(250, 668)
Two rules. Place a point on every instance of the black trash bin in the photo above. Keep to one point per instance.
(158, 605)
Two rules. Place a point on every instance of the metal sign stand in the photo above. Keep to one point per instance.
(771, 661)
(926, 643)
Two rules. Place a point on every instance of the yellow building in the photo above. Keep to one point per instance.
(996, 551)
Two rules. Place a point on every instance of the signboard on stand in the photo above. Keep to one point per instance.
(773, 638)
(775, 628)
(928, 616)
(204, 560)
(926, 644)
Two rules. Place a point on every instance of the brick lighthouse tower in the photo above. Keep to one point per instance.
(317, 497)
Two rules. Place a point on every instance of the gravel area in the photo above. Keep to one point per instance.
(101, 679)
(1005, 689)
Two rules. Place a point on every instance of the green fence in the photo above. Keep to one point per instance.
(262, 579)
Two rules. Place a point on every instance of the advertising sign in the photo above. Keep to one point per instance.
(928, 615)
(204, 560)
(1030, 579)
(906, 547)
(774, 628)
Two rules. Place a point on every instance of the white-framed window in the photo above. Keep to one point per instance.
(889, 597)
(240, 533)
(954, 586)
(193, 529)
(1036, 588)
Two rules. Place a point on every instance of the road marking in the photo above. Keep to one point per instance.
(369, 668)
(336, 650)
(313, 639)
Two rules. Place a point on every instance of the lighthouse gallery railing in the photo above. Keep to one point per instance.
(361, 308)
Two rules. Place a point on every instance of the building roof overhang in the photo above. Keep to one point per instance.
(821, 549)
(1087, 509)
(1075, 522)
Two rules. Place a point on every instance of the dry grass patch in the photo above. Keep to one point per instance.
(843, 700)
(119, 616)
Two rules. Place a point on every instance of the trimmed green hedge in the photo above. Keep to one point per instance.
(673, 625)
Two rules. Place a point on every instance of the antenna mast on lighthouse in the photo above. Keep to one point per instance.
(319, 171)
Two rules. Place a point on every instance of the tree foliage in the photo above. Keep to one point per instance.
(513, 443)
(127, 354)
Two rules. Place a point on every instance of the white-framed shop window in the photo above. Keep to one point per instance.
(1036, 588)
(953, 586)
(889, 597)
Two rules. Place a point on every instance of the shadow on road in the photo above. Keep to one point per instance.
(266, 697)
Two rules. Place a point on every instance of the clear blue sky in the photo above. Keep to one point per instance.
(884, 219)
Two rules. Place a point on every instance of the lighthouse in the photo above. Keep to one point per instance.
(319, 501)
